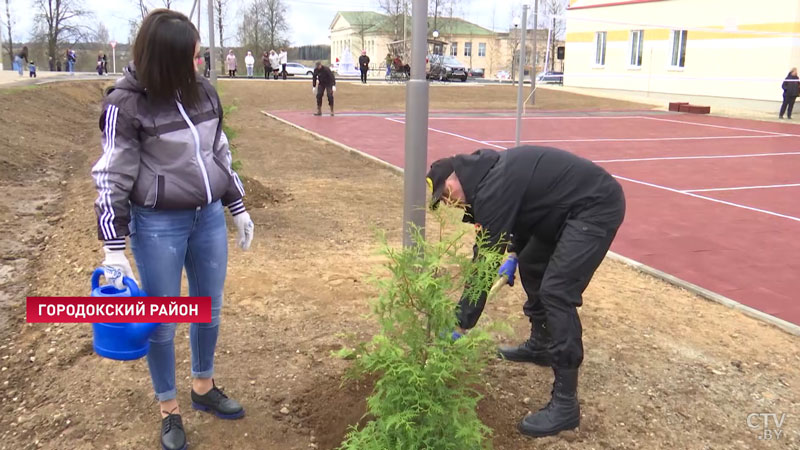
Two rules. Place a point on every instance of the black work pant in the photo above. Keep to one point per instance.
(364, 75)
(283, 70)
(555, 274)
(788, 105)
(267, 72)
(322, 89)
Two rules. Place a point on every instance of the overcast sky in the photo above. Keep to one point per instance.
(308, 19)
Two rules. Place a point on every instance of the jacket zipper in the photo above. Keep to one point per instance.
(197, 151)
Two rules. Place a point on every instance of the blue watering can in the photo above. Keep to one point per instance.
(120, 341)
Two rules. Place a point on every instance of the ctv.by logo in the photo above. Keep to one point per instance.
(769, 425)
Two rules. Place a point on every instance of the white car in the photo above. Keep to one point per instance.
(294, 68)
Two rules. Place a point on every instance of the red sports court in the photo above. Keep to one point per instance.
(711, 200)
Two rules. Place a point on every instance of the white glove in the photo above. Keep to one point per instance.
(245, 227)
(334, 89)
(313, 90)
(116, 266)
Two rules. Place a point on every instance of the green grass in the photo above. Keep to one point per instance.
(236, 163)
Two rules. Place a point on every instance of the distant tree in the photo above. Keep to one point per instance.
(395, 9)
(553, 14)
(61, 21)
(220, 8)
(277, 23)
(9, 23)
(253, 29)
(361, 25)
(101, 35)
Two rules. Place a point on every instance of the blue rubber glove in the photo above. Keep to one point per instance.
(455, 336)
(508, 269)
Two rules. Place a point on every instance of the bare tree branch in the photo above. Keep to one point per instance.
(10, 43)
(55, 20)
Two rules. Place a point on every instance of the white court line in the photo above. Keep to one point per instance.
(715, 126)
(697, 138)
(537, 118)
(452, 134)
(669, 158)
(742, 188)
(703, 197)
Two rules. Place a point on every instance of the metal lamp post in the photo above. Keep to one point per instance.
(520, 100)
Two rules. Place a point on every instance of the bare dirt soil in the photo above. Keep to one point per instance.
(664, 369)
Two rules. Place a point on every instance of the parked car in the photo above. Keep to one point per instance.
(503, 75)
(446, 68)
(477, 73)
(294, 68)
(551, 77)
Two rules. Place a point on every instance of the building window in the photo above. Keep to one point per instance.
(637, 41)
(467, 48)
(454, 49)
(482, 49)
(600, 48)
(679, 48)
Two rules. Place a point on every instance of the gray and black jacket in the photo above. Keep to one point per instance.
(160, 156)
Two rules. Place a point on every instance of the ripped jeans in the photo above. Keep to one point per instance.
(163, 243)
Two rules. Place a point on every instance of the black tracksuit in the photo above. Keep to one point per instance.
(791, 88)
(363, 64)
(326, 81)
(560, 213)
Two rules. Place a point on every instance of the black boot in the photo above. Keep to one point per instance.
(562, 412)
(172, 434)
(534, 350)
(217, 403)
(319, 111)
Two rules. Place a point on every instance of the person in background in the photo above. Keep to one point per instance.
(51, 63)
(58, 65)
(72, 58)
(267, 64)
(791, 89)
(163, 182)
(363, 64)
(249, 62)
(32, 69)
(230, 63)
(21, 60)
(284, 59)
(105, 64)
(327, 83)
(389, 60)
(99, 66)
(275, 62)
(207, 60)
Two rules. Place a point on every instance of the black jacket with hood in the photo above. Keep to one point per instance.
(532, 191)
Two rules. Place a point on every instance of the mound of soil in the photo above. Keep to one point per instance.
(259, 196)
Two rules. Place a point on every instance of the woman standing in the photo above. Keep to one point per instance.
(163, 181)
(18, 60)
(275, 61)
(230, 62)
(249, 62)
(791, 88)
(267, 64)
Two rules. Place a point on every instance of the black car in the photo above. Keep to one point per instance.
(446, 68)
(477, 73)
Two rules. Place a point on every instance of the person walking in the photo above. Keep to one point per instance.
(99, 65)
(323, 81)
(207, 61)
(249, 62)
(363, 64)
(163, 182)
(21, 60)
(72, 58)
(284, 59)
(105, 64)
(389, 61)
(32, 70)
(791, 89)
(275, 62)
(267, 65)
(230, 63)
(556, 214)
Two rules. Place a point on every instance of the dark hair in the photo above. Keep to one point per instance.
(24, 52)
(163, 54)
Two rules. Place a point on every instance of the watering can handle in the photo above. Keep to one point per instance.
(129, 282)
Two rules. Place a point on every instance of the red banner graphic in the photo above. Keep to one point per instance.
(118, 309)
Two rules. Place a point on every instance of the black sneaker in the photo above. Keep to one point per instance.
(172, 435)
(217, 403)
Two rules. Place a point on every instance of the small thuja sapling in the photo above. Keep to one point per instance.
(425, 396)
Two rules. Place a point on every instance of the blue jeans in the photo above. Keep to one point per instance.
(18, 65)
(163, 243)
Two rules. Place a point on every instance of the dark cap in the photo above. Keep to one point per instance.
(437, 175)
